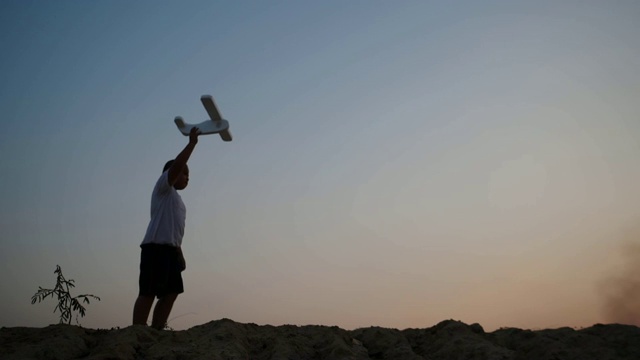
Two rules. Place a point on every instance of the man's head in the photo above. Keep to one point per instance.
(183, 177)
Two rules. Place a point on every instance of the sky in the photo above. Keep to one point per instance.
(394, 163)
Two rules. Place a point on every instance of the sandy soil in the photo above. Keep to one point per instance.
(226, 339)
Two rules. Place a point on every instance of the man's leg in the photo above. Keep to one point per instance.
(162, 310)
(141, 309)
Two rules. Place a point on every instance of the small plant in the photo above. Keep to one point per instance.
(66, 303)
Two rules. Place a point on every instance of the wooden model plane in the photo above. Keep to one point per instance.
(215, 125)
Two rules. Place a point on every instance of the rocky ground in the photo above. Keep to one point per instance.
(226, 339)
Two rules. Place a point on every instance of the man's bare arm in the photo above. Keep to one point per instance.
(183, 263)
(182, 158)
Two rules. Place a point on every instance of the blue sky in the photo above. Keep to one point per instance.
(393, 163)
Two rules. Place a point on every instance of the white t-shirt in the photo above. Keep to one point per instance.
(168, 215)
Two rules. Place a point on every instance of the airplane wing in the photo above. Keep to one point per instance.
(225, 135)
(210, 106)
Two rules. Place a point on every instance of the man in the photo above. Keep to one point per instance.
(161, 259)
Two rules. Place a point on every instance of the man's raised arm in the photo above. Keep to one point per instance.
(182, 158)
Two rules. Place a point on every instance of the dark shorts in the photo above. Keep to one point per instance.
(160, 271)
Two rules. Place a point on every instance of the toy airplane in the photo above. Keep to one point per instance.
(216, 124)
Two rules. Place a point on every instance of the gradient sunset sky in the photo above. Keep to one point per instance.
(394, 163)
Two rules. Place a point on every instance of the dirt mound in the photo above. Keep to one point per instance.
(226, 339)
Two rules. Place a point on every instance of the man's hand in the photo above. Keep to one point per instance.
(183, 262)
(193, 135)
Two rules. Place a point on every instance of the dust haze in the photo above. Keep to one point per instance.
(621, 289)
